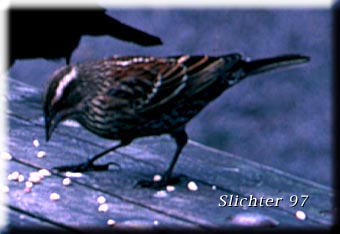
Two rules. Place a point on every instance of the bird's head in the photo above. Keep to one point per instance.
(61, 98)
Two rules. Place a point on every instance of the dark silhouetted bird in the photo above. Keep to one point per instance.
(124, 98)
(55, 33)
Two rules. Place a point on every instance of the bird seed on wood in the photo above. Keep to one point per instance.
(101, 200)
(66, 181)
(6, 156)
(103, 207)
(54, 197)
(111, 222)
(300, 215)
(192, 186)
(41, 154)
(36, 143)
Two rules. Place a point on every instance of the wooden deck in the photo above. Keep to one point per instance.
(216, 173)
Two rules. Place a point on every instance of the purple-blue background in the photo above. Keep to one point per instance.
(282, 119)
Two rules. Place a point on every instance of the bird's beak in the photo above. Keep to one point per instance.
(51, 122)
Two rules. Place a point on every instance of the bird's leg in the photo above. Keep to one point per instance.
(89, 164)
(181, 139)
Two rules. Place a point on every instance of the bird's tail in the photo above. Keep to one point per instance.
(268, 64)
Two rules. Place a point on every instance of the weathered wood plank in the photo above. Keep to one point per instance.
(142, 159)
(18, 219)
(121, 183)
(77, 207)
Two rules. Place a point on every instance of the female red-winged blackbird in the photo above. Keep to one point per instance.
(123, 98)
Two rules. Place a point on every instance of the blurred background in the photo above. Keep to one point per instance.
(281, 119)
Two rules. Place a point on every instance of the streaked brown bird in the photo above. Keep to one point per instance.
(124, 98)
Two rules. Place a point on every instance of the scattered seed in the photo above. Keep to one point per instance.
(101, 200)
(170, 188)
(43, 172)
(41, 154)
(28, 184)
(34, 177)
(27, 189)
(36, 143)
(160, 194)
(213, 187)
(35, 173)
(111, 222)
(103, 207)
(5, 189)
(13, 176)
(16, 174)
(21, 178)
(250, 219)
(300, 215)
(6, 156)
(54, 197)
(73, 174)
(66, 181)
(155, 222)
(192, 186)
(157, 178)
(71, 123)
(34, 180)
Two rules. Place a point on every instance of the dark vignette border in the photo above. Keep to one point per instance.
(336, 167)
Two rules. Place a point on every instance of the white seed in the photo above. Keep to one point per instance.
(160, 194)
(36, 174)
(66, 181)
(27, 189)
(43, 172)
(192, 186)
(6, 156)
(73, 174)
(111, 222)
(41, 154)
(21, 178)
(155, 222)
(5, 189)
(71, 123)
(16, 174)
(101, 200)
(170, 188)
(34, 177)
(36, 143)
(103, 207)
(13, 176)
(157, 178)
(213, 187)
(300, 215)
(28, 184)
(54, 197)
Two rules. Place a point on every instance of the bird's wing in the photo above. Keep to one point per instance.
(137, 79)
(153, 82)
(185, 76)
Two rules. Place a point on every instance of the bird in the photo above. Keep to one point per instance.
(128, 97)
(55, 33)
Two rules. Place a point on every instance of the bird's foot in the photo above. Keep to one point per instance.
(86, 166)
